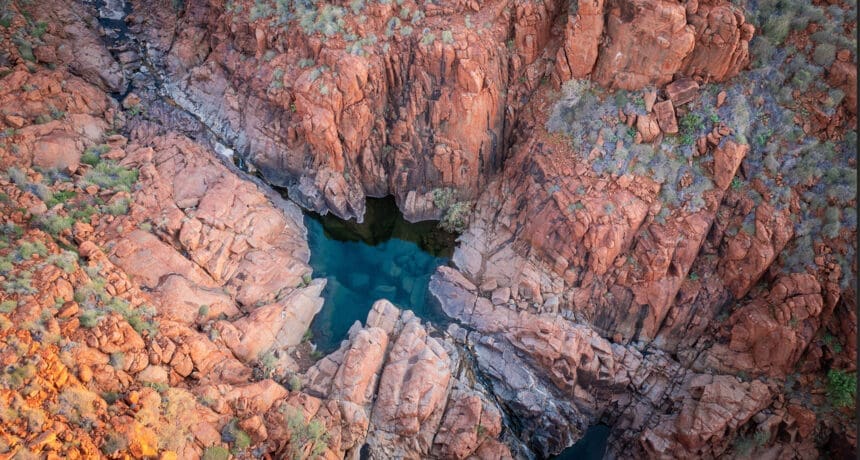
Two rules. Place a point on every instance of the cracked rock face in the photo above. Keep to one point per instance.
(155, 299)
(336, 121)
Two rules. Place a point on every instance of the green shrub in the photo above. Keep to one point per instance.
(417, 16)
(777, 27)
(118, 207)
(53, 223)
(42, 191)
(27, 249)
(78, 405)
(427, 37)
(60, 197)
(277, 78)
(139, 319)
(6, 16)
(304, 435)
(117, 360)
(216, 453)
(17, 177)
(231, 433)
(17, 376)
(261, 10)
(19, 284)
(114, 443)
(691, 123)
(89, 319)
(832, 342)
(456, 217)
(25, 48)
(443, 198)
(64, 260)
(8, 306)
(824, 54)
(295, 383)
(392, 25)
(91, 156)
(84, 212)
(841, 387)
(39, 29)
(268, 363)
(109, 175)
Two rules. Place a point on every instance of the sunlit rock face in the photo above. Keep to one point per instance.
(652, 206)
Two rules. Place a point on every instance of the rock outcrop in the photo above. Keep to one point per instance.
(658, 249)
(707, 40)
(187, 295)
(359, 105)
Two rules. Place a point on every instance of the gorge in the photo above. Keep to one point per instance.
(428, 229)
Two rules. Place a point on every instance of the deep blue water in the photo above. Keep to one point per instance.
(384, 257)
(592, 446)
(388, 257)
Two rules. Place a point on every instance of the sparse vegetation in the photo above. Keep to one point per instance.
(79, 405)
(118, 207)
(841, 387)
(309, 437)
(295, 383)
(54, 223)
(216, 453)
(114, 443)
(109, 175)
(456, 217)
(427, 37)
(232, 434)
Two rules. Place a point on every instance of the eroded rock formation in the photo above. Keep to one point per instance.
(642, 274)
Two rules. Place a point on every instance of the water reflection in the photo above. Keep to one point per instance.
(383, 257)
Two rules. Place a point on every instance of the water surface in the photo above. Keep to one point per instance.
(383, 257)
(592, 446)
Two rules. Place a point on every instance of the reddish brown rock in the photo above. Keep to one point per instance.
(682, 91)
(662, 37)
(747, 256)
(647, 127)
(412, 394)
(582, 36)
(843, 74)
(715, 405)
(722, 42)
(768, 334)
(468, 423)
(665, 113)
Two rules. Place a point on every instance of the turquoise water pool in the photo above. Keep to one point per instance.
(383, 257)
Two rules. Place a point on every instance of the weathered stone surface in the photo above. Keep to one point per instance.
(665, 112)
(662, 37)
(722, 41)
(682, 91)
(715, 404)
(582, 36)
(411, 395)
(598, 301)
(768, 335)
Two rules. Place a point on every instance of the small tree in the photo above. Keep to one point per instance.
(305, 437)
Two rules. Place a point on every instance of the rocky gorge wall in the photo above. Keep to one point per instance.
(340, 102)
(656, 248)
(155, 301)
